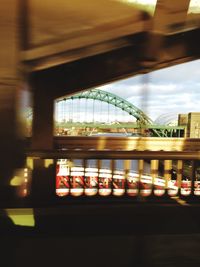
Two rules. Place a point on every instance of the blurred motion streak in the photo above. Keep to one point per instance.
(52, 49)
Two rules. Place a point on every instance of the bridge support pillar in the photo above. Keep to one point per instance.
(43, 178)
(42, 131)
(11, 132)
(179, 172)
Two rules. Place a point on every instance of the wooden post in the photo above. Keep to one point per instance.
(127, 165)
(179, 173)
(154, 170)
(43, 109)
(43, 178)
(193, 173)
(167, 171)
(140, 171)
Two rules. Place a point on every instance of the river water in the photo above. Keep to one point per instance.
(119, 165)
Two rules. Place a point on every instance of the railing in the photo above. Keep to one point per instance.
(170, 174)
(127, 143)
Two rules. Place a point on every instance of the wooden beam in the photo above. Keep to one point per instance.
(127, 143)
(114, 154)
(124, 62)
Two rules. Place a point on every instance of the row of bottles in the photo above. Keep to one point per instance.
(77, 181)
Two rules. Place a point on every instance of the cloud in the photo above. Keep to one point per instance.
(175, 89)
(170, 90)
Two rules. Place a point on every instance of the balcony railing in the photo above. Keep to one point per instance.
(71, 175)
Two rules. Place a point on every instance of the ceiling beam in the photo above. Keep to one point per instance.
(124, 62)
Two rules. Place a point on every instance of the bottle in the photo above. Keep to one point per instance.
(197, 182)
(132, 184)
(77, 181)
(159, 186)
(91, 181)
(145, 185)
(197, 188)
(118, 183)
(105, 182)
(62, 177)
(186, 187)
(172, 188)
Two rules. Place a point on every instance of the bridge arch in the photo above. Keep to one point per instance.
(114, 100)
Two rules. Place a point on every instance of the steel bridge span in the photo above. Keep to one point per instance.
(142, 121)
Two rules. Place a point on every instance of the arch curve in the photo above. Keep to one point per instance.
(114, 100)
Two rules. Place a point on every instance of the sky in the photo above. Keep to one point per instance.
(166, 93)
(171, 90)
(162, 95)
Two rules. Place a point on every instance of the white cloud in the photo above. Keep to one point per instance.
(175, 89)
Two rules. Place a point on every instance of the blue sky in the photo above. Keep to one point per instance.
(170, 90)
